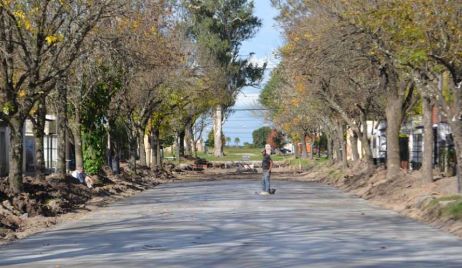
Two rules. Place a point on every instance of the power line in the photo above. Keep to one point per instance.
(252, 109)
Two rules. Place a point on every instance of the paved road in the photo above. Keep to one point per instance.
(224, 224)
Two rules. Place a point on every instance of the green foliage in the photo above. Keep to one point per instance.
(260, 136)
(237, 153)
(219, 27)
(94, 116)
(237, 141)
(210, 139)
(268, 96)
(449, 206)
(119, 134)
(8, 107)
(321, 142)
(94, 150)
(448, 94)
(454, 210)
(248, 145)
(167, 140)
(417, 109)
(210, 142)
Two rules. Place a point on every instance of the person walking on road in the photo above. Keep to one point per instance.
(267, 165)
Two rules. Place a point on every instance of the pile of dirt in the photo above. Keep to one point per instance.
(188, 164)
(409, 195)
(45, 200)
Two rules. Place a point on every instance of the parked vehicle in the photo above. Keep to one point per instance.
(285, 151)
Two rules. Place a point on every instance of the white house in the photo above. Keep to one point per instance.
(29, 163)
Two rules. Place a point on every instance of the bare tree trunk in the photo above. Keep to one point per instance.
(393, 114)
(62, 126)
(177, 147)
(153, 140)
(312, 150)
(304, 154)
(330, 148)
(194, 142)
(158, 150)
(15, 176)
(78, 148)
(217, 129)
(189, 139)
(142, 150)
(455, 122)
(335, 148)
(365, 144)
(39, 154)
(354, 146)
(156, 163)
(113, 150)
(132, 147)
(132, 157)
(76, 128)
(39, 133)
(319, 142)
(148, 150)
(312, 139)
(342, 145)
(181, 143)
(453, 111)
(427, 161)
(456, 128)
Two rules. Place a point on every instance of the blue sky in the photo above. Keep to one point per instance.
(264, 44)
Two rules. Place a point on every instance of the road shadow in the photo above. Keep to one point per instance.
(224, 224)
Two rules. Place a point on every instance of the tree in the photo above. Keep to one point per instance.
(410, 46)
(332, 62)
(211, 139)
(39, 41)
(426, 45)
(346, 34)
(260, 136)
(148, 36)
(275, 139)
(220, 27)
(237, 141)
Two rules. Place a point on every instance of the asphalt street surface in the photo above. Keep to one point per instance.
(225, 224)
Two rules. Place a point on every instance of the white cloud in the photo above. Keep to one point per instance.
(270, 60)
(247, 101)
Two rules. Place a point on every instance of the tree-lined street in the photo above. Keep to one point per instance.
(224, 224)
(101, 100)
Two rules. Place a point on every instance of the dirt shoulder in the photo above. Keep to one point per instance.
(436, 203)
(53, 200)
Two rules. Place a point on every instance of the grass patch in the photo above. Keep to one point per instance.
(336, 174)
(450, 198)
(453, 210)
(307, 164)
(446, 198)
(254, 154)
(299, 163)
(448, 206)
(3, 230)
(239, 154)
